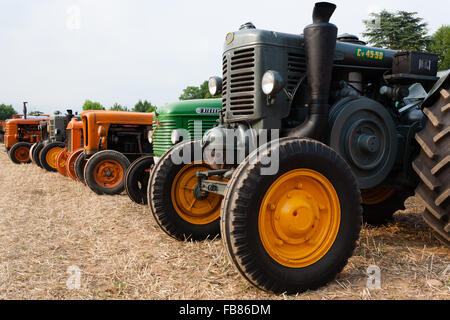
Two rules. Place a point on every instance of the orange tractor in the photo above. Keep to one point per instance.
(20, 134)
(112, 140)
(65, 159)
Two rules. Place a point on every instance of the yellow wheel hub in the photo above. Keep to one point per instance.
(51, 156)
(299, 218)
(195, 210)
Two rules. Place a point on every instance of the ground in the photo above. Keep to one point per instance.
(54, 231)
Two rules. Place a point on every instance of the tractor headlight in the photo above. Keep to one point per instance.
(272, 82)
(57, 131)
(177, 136)
(215, 85)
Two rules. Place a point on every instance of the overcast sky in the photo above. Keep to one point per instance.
(57, 53)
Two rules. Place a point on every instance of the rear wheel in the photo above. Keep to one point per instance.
(433, 165)
(176, 203)
(48, 155)
(20, 153)
(70, 163)
(136, 179)
(61, 160)
(379, 205)
(105, 171)
(80, 164)
(295, 230)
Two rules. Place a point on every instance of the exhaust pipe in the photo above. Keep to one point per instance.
(320, 43)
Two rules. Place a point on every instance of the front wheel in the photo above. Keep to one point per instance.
(294, 230)
(79, 165)
(20, 152)
(61, 160)
(48, 155)
(104, 172)
(175, 201)
(136, 179)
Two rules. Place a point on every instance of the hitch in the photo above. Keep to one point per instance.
(213, 186)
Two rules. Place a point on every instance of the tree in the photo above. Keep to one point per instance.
(6, 111)
(397, 31)
(200, 92)
(144, 106)
(91, 105)
(118, 107)
(440, 45)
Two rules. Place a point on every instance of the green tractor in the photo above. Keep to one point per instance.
(316, 131)
(173, 123)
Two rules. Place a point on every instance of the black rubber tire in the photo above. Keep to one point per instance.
(240, 213)
(79, 166)
(160, 202)
(43, 154)
(31, 150)
(136, 179)
(381, 213)
(36, 151)
(14, 148)
(433, 165)
(103, 156)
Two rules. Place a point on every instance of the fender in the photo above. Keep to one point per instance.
(434, 92)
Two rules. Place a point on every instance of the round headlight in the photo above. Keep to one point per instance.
(215, 85)
(272, 82)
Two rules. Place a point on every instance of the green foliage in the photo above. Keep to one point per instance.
(201, 92)
(144, 106)
(440, 45)
(6, 111)
(91, 105)
(118, 107)
(398, 31)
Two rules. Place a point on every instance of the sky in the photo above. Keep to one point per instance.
(55, 54)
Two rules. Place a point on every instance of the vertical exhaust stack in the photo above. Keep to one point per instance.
(320, 43)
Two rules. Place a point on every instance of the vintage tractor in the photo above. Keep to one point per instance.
(20, 134)
(112, 140)
(172, 124)
(45, 152)
(65, 159)
(315, 132)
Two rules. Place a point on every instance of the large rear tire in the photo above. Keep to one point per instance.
(48, 155)
(105, 171)
(20, 152)
(136, 179)
(295, 230)
(175, 207)
(433, 165)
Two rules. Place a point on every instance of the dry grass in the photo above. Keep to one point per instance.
(49, 222)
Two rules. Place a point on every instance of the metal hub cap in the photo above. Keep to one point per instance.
(108, 173)
(299, 218)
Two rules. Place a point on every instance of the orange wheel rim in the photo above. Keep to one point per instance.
(22, 154)
(70, 163)
(299, 218)
(189, 208)
(108, 173)
(61, 162)
(51, 156)
(376, 195)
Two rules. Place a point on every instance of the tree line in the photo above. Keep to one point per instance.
(399, 30)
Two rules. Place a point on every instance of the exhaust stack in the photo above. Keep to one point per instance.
(320, 43)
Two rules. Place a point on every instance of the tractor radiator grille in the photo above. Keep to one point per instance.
(205, 125)
(69, 140)
(52, 127)
(296, 69)
(238, 87)
(162, 134)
